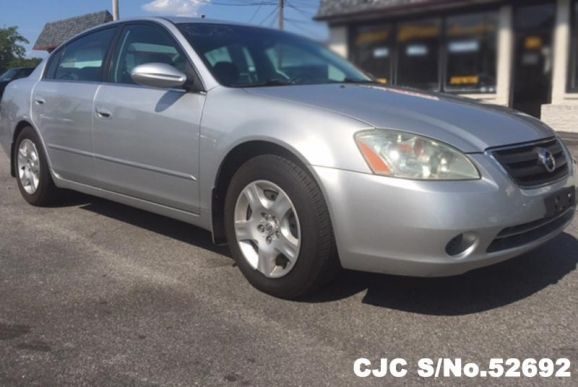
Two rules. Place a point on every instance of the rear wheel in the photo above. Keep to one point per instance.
(32, 173)
(278, 227)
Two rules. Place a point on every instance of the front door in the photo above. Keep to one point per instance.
(533, 29)
(146, 140)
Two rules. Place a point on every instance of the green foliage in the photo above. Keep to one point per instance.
(25, 62)
(12, 53)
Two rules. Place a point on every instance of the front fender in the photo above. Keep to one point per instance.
(315, 136)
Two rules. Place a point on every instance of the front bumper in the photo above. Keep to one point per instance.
(403, 227)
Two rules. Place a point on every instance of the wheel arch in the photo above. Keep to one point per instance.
(236, 157)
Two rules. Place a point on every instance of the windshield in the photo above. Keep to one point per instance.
(242, 56)
(8, 75)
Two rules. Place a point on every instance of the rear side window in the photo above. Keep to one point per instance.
(83, 59)
(144, 43)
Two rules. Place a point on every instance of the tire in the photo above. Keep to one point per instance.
(43, 192)
(307, 221)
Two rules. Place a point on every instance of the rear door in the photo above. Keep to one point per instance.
(146, 140)
(62, 103)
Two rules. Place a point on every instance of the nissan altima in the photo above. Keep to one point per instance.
(285, 151)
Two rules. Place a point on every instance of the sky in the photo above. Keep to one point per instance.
(31, 15)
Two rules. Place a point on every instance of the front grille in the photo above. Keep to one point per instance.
(524, 166)
(522, 234)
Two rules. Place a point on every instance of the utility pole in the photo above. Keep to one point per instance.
(281, 15)
(115, 10)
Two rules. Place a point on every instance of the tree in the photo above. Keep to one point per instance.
(12, 51)
(25, 62)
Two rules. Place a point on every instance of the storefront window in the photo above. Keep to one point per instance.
(418, 58)
(574, 65)
(471, 52)
(373, 50)
(452, 53)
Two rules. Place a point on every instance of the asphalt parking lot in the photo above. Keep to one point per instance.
(93, 292)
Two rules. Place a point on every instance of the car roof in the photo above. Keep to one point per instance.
(170, 19)
(199, 20)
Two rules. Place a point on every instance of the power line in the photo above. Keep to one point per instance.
(255, 13)
(269, 15)
(229, 4)
(303, 8)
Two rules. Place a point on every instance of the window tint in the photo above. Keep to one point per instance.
(217, 55)
(418, 63)
(235, 57)
(373, 50)
(471, 52)
(240, 56)
(299, 64)
(83, 59)
(574, 66)
(141, 44)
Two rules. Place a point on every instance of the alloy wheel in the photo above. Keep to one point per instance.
(267, 228)
(28, 166)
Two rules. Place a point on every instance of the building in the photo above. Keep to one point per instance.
(522, 54)
(55, 33)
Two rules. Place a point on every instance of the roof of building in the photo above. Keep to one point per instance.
(58, 32)
(343, 9)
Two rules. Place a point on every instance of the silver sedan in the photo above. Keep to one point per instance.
(285, 151)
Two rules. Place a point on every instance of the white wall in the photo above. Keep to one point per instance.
(338, 39)
(562, 113)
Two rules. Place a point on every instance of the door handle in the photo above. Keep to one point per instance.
(100, 113)
(39, 101)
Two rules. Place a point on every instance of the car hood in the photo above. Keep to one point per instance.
(460, 122)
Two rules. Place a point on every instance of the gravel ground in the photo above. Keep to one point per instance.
(96, 293)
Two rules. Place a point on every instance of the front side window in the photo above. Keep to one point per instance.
(240, 56)
(574, 55)
(373, 48)
(83, 58)
(471, 52)
(418, 57)
(141, 44)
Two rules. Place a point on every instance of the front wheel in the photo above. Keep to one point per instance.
(278, 227)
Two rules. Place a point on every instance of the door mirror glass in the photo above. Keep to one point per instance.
(159, 75)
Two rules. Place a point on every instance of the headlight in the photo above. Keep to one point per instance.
(408, 156)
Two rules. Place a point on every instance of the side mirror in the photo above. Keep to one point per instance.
(159, 75)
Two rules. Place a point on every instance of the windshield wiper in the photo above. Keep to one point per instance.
(288, 82)
(269, 82)
(361, 81)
